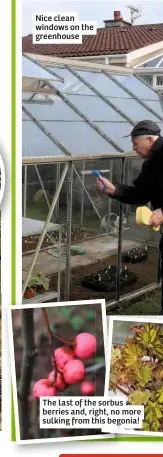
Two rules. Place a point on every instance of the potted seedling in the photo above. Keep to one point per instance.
(31, 287)
(42, 283)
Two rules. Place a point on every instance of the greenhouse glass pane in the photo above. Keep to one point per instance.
(95, 108)
(116, 131)
(79, 138)
(36, 144)
(156, 106)
(102, 83)
(161, 63)
(71, 84)
(137, 87)
(134, 110)
(152, 63)
(59, 111)
(31, 69)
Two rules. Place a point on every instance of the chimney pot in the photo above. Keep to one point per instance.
(117, 16)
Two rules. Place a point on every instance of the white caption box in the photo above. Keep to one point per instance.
(86, 412)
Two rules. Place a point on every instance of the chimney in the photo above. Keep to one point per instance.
(117, 21)
(118, 16)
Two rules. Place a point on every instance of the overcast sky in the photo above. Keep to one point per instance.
(95, 10)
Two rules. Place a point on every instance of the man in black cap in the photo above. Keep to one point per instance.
(148, 187)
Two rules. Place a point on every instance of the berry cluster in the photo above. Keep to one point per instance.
(68, 369)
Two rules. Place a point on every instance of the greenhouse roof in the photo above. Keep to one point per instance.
(79, 111)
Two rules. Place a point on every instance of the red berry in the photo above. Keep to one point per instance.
(42, 388)
(85, 345)
(62, 356)
(74, 372)
(87, 388)
(59, 384)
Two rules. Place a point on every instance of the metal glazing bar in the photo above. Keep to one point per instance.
(45, 227)
(142, 102)
(100, 95)
(25, 190)
(76, 158)
(82, 194)
(86, 191)
(69, 223)
(47, 133)
(120, 237)
(83, 116)
(44, 67)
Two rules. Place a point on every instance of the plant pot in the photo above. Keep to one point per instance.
(29, 293)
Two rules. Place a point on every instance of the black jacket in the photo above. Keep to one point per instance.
(148, 187)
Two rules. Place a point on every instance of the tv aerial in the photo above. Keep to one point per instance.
(135, 12)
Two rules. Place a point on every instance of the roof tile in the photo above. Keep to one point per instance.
(112, 40)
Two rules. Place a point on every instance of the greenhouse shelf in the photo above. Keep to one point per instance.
(40, 298)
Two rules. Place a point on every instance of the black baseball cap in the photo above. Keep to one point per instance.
(145, 128)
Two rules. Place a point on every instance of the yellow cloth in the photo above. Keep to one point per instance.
(143, 217)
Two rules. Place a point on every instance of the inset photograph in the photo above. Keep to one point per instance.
(56, 350)
(135, 358)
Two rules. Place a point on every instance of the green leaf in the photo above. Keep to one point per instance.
(139, 398)
(145, 426)
(159, 395)
(77, 322)
(132, 353)
(90, 315)
(152, 414)
(154, 427)
(144, 375)
(150, 338)
(65, 311)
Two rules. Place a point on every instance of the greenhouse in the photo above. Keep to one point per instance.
(76, 240)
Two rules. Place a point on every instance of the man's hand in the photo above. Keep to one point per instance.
(157, 218)
(110, 188)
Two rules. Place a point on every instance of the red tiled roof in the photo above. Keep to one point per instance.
(112, 40)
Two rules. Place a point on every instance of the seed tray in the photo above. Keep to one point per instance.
(108, 272)
(97, 282)
(135, 255)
